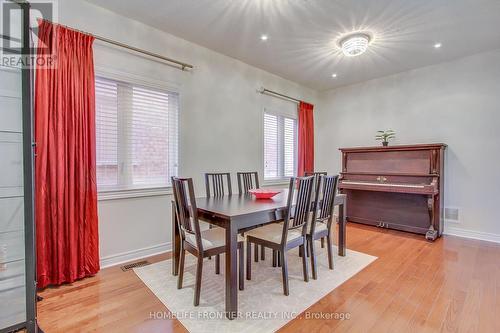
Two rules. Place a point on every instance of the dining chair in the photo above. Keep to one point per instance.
(322, 218)
(316, 175)
(217, 184)
(291, 233)
(247, 181)
(201, 244)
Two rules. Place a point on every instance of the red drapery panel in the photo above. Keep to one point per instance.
(65, 169)
(306, 139)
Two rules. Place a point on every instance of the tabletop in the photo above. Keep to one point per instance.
(242, 204)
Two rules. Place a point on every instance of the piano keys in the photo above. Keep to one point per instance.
(397, 187)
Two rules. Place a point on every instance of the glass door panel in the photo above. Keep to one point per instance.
(12, 255)
(13, 309)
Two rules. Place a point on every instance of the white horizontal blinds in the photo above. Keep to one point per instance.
(271, 146)
(147, 136)
(106, 92)
(280, 146)
(289, 146)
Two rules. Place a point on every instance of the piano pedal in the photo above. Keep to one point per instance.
(431, 235)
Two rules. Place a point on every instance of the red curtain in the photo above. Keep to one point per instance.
(306, 138)
(65, 169)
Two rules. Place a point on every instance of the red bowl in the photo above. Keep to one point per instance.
(261, 193)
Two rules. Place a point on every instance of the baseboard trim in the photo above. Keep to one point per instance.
(465, 233)
(120, 258)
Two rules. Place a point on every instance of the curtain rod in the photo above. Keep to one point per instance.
(277, 94)
(183, 65)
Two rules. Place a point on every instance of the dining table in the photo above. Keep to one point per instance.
(236, 213)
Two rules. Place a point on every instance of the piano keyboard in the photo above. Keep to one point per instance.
(383, 184)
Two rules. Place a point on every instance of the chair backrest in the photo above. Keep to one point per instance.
(298, 216)
(214, 183)
(316, 175)
(324, 202)
(247, 181)
(186, 210)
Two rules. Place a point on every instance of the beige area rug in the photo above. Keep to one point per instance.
(262, 306)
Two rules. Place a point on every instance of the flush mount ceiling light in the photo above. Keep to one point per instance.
(354, 44)
(264, 38)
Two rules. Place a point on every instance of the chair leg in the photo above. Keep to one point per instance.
(197, 287)
(262, 252)
(304, 265)
(307, 250)
(330, 251)
(322, 242)
(279, 258)
(241, 265)
(300, 251)
(275, 255)
(284, 271)
(210, 226)
(181, 268)
(217, 264)
(249, 260)
(310, 242)
(256, 253)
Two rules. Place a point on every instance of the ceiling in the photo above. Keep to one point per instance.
(303, 34)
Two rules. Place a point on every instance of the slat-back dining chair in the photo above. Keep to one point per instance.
(322, 220)
(246, 182)
(316, 175)
(199, 243)
(217, 184)
(292, 233)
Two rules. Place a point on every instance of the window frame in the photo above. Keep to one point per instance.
(110, 193)
(280, 180)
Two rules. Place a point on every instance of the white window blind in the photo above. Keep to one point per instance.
(136, 135)
(280, 146)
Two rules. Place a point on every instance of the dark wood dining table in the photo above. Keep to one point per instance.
(238, 212)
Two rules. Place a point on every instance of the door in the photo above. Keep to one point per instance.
(17, 287)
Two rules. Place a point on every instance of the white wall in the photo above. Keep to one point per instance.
(220, 119)
(457, 103)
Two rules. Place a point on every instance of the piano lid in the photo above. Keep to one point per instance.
(425, 146)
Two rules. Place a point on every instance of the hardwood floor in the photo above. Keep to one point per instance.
(452, 285)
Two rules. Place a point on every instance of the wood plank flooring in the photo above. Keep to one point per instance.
(451, 285)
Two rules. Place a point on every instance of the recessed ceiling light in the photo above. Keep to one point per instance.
(334, 75)
(437, 45)
(354, 44)
(263, 37)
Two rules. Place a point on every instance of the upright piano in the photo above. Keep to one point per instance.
(396, 187)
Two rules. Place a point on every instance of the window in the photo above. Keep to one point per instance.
(280, 146)
(136, 135)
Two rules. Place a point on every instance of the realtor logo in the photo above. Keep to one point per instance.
(12, 52)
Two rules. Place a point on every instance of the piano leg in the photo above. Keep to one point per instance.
(432, 233)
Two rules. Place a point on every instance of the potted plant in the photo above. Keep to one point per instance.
(385, 136)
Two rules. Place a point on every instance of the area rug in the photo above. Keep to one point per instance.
(262, 306)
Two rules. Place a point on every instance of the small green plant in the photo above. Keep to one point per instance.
(385, 136)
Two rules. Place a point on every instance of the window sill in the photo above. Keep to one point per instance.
(276, 182)
(133, 193)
